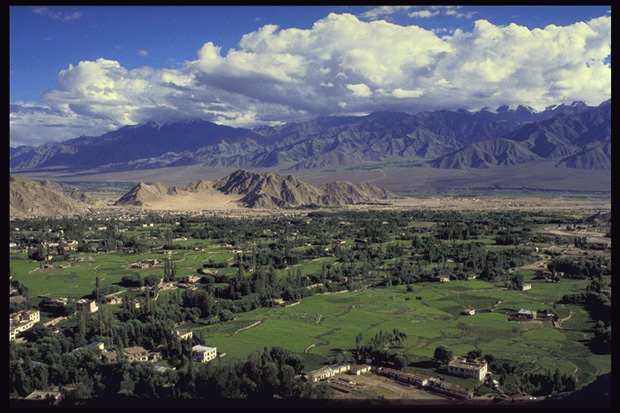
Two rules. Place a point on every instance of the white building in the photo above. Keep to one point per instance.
(327, 372)
(204, 354)
(476, 369)
(22, 321)
(89, 305)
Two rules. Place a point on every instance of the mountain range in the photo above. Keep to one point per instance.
(574, 136)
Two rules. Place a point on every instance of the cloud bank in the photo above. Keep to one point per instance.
(342, 65)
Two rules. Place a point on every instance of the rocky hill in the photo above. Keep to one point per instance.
(31, 198)
(144, 194)
(600, 217)
(256, 190)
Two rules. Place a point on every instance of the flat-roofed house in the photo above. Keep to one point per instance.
(44, 396)
(89, 305)
(340, 368)
(204, 354)
(450, 389)
(405, 377)
(109, 356)
(184, 334)
(327, 372)
(320, 374)
(113, 299)
(527, 313)
(33, 316)
(358, 369)
(95, 344)
(136, 354)
(22, 321)
(525, 316)
(476, 369)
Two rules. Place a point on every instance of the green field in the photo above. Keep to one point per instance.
(77, 278)
(323, 325)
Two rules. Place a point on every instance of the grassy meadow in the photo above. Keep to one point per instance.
(321, 327)
(324, 325)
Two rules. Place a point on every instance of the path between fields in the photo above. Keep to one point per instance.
(558, 324)
(567, 318)
(314, 345)
(248, 327)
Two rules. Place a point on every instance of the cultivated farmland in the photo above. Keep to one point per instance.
(321, 284)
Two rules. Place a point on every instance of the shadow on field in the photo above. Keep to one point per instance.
(424, 364)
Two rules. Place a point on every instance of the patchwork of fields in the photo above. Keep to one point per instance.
(327, 324)
(324, 327)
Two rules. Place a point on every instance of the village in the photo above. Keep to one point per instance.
(59, 255)
(346, 379)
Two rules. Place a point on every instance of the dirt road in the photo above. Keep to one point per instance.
(387, 388)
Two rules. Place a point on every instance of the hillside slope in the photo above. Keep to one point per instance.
(580, 141)
(31, 198)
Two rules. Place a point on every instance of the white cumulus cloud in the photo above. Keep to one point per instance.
(360, 90)
(341, 65)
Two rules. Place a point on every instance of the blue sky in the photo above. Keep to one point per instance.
(86, 70)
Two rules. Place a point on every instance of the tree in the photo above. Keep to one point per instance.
(516, 282)
(38, 254)
(151, 280)
(473, 355)
(399, 360)
(97, 294)
(82, 318)
(170, 270)
(20, 382)
(133, 280)
(358, 341)
(127, 385)
(398, 337)
(443, 355)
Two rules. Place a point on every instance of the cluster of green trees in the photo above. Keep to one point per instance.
(270, 375)
(514, 376)
(20, 290)
(599, 307)
(580, 268)
(53, 358)
(378, 348)
(375, 227)
(548, 383)
(382, 248)
(137, 281)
